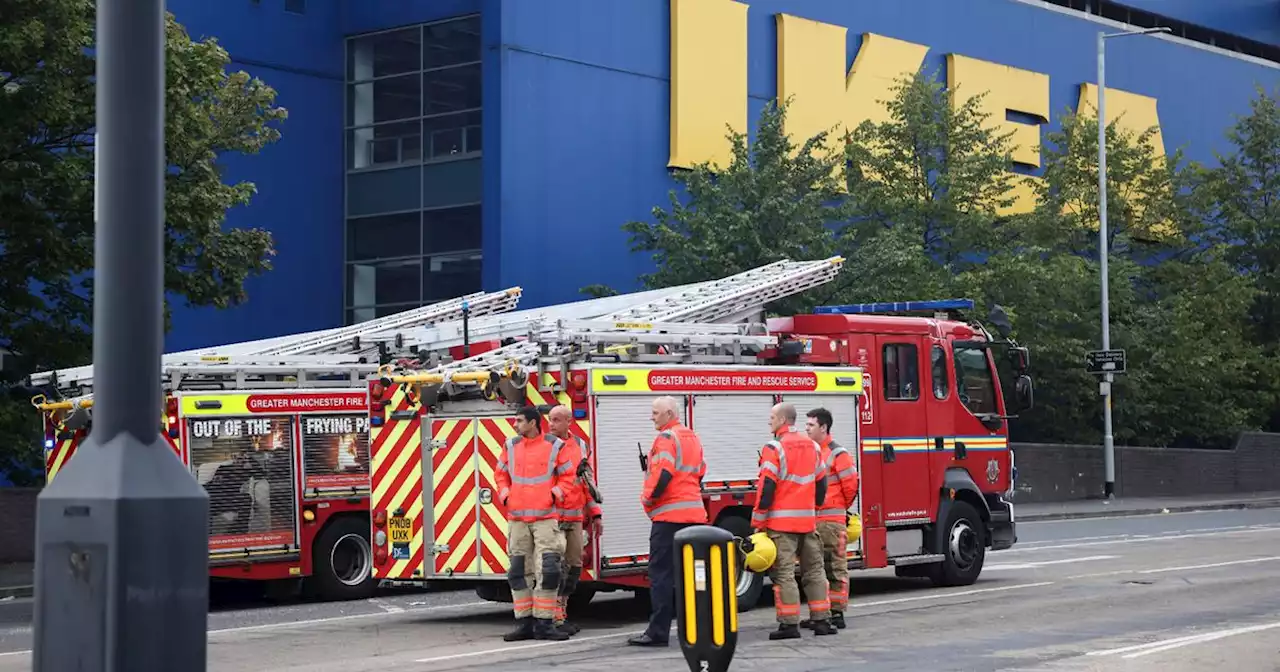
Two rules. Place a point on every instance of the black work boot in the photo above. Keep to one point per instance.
(523, 631)
(568, 628)
(807, 624)
(837, 619)
(543, 629)
(786, 631)
(824, 627)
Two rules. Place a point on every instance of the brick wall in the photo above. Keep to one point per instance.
(1056, 473)
(17, 524)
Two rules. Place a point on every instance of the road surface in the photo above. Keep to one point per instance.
(1162, 593)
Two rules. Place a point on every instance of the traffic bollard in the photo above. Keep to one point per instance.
(707, 597)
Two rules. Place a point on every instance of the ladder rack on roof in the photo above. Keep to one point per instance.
(725, 300)
(216, 373)
(326, 343)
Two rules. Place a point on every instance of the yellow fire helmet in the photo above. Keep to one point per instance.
(761, 552)
(854, 530)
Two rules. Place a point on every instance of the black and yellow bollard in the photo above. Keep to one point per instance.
(706, 597)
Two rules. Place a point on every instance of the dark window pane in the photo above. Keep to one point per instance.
(451, 229)
(901, 372)
(383, 236)
(451, 275)
(941, 386)
(450, 183)
(355, 315)
(451, 89)
(974, 382)
(452, 42)
(452, 134)
(378, 192)
(384, 54)
(384, 282)
(384, 145)
(388, 99)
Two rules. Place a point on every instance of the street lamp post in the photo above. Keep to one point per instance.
(122, 548)
(1108, 438)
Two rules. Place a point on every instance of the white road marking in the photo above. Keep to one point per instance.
(1135, 540)
(1033, 565)
(939, 596)
(1139, 650)
(1210, 565)
(1102, 515)
(383, 605)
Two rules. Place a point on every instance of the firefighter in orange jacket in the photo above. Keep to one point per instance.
(833, 514)
(579, 505)
(672, 497)
(533, 476)
(792, 485)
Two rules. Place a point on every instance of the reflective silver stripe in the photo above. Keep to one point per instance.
(571, 512)
(784, 474)
(556, 445)
(679, 458)
(565, 468)
(846, 473)
(676, 506)
(768, 466)
(832, 512)
(665, 455)
(789, 513)
(532, 512)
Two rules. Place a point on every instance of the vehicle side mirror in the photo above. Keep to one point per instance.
(1024, 391)
(1020, 358)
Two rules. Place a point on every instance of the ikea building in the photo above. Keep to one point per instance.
(440, 147)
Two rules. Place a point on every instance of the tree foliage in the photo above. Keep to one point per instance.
(46, 182)
(1194, 251)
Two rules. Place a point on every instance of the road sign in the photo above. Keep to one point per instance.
(1105, 361)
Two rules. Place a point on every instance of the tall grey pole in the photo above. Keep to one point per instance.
(1108, 439)
(122, 532)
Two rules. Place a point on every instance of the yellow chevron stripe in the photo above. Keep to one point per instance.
(408, 459)
(395, 430)
(492, 445)
(63, 449)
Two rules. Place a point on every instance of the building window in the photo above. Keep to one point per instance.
(413, 110)
(901, 372)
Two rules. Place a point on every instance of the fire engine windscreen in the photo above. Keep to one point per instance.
(335, 453)
(246, 466)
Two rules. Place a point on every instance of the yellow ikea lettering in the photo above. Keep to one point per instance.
(708, 80)
(1007, 89)
(811, 58)
(1136, 114)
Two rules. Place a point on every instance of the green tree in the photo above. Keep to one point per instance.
(46, 185)
(775, 200)
(1176, 306)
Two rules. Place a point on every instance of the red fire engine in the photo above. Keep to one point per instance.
(276, 431)
(935, 463)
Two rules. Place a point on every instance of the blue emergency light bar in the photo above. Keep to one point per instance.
(896, 307)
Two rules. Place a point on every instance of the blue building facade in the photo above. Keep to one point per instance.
(439, 147)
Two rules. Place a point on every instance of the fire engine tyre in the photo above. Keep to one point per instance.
(342, 562)
(750, 585)
(964, 547)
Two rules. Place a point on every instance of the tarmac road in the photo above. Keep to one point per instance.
(1161, 593)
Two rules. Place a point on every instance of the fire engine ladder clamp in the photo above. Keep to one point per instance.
(668, 321)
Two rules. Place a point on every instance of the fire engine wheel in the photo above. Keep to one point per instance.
(750, 585)
(342, 562)
(965, 549)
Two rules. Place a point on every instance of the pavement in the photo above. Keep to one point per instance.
(1173, 592)
(16, 579)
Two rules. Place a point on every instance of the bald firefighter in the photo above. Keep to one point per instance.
(579, 505)
(833, 513)
(792, 485)
(672, 498)
(534, 475)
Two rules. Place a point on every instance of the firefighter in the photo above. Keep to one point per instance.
(534, 476)
(672, 498)
(579, 505)
(833, 514)
(793, 484)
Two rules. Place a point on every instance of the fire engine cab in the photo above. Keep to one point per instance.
(920, 398)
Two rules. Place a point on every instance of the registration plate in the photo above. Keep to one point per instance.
(401, 529)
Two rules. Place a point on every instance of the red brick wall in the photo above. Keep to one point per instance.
(18, 524)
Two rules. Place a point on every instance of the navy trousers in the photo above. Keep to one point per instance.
(662, 578)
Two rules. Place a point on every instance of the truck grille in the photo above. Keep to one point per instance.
(246, 465)
(335, 454)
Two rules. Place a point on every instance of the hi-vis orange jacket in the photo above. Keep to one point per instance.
(673, 490)
(533, 476)
(576, 499)
(792, 484)
(842, 482)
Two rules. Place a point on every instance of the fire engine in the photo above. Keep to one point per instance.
(918, 395)
(276, 432)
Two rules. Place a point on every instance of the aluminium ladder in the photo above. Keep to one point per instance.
(338, 341)
(711, 302)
